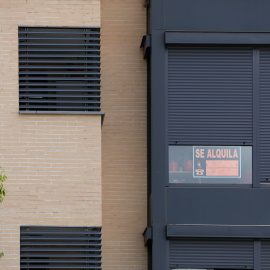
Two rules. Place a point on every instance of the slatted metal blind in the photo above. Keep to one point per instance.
(265, 255)
(61, 248)
(211, 254)
(59, 69)
(264, 115)
(210, 96)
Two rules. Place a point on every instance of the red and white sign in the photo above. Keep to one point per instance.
(217, 161)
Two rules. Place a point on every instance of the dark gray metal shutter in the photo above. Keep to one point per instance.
(61, 248)
(210, 254)
(264, 117)
(210, 96)
(59, 69)
(265, 255)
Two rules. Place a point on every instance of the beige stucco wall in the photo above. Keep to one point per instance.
(53, 161)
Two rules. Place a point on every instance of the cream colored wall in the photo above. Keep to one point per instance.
(53, 161)
(124, 134)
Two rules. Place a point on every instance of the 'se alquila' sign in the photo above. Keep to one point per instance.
(217, 161)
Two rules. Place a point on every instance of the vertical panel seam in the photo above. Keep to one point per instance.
(257, 255)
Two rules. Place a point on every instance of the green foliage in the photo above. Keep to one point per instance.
(3, 191)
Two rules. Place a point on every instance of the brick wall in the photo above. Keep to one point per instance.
(124, 134)
(53, 161)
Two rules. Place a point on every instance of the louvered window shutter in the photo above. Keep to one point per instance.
(265, 255)
(60, 248)
(59, 69)
(210, 96)
(211, 254)
(264, 115)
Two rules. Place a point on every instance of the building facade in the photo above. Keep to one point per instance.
(70, 169)
(135, 134)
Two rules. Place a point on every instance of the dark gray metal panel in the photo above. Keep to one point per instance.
(210, 96)
(60, 248)
(265, 255)
(159, 149)
(211, 254)
(216, 38)
(157, 15)
(218, 231)
(221, 15)
(59, 69)
(220, 206)
(159, 146)
(264, 114)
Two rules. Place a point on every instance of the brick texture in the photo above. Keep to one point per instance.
(124, 135)
(53, 161)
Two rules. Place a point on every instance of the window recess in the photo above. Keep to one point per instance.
(59, 69)
(218, 96)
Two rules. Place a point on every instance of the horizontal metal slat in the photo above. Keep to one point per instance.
(60, 61)
(59, 55)
(52, 78)
(60, 249)
(54, 255)
(81, 49)
(29, 32)
(27, 239)
(48, 67)
(54, 104)
(57, 101)
(225, 84)
(204, 71)
(23, 96)
(206, 113)
(60, 84)
(55, 244)
(60, 261)
(57, 73)
(213, 103)
(67, 231)
(57, 90)
(37, 107)
(60, 44)
(59, 267)
(186, 88)
(29, 37)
